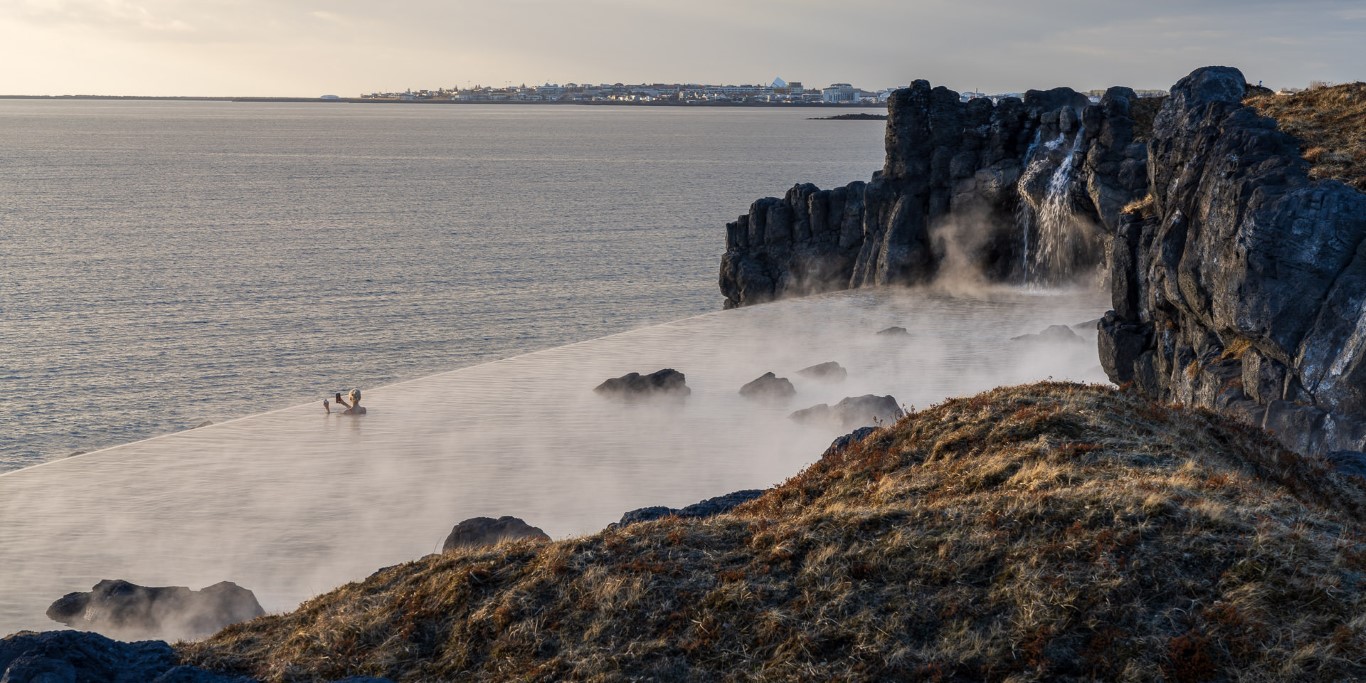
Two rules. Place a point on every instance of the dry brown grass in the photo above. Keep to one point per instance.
(1048, 532)
(1330, 122)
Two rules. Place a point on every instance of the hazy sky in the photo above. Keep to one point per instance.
(347, 47)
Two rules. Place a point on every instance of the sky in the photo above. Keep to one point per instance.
(308, 48)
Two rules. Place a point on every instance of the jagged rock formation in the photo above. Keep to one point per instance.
(1015, 189)
(477, 532)
(126, 610)
(1241, 286)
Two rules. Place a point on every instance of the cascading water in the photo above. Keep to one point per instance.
(1057, 242)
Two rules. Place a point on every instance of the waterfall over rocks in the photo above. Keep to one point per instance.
(1017, 190)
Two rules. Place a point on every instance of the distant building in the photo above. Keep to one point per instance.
(839, 93)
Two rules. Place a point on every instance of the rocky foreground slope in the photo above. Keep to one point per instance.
(1053, 531)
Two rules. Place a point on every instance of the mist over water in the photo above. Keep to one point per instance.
(294, 502)
(171, 263)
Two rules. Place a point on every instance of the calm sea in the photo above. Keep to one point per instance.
(164, 264)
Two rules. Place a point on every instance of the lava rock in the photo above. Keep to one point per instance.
(852, 412)
(1244, 268)
(707, 508)
(828, 372)
(62, 656)
(666, 382)
(127, 610)
(769, 387)
(482, 531)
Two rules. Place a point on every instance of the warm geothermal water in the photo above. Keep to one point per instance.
(163, 264)
(293, 502)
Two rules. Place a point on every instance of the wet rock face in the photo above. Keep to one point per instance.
(956, 177)
(1243, 287)
(481, 531)
(126, 610)
(666, 382)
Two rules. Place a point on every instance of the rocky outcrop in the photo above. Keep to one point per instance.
(707, 508)
(852, 412)
(61, 656)
(666, 382)
(1241, 285)
(973, 184)
(483, 531)
(127, 610)
(769, 387)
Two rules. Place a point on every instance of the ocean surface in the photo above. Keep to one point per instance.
(168, 264)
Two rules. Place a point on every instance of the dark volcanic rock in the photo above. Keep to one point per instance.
(1243, 286)
(666, 382)
(127, 610)
(62, 656)
(894, 332)
(829, 372)
(482, 531)
(769, 387)
(844, 442)
(854, 411)
(707, 508)
(949, 164)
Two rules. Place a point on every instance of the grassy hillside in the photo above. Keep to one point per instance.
(1052, 531)
(1331, 125)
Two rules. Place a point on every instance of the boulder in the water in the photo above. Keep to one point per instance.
(894, 332)
(769, 387)
(126, 610)
(828, 372)
(666, 382)
(481, 531)
(707, 508)
(852, 412)
(1053, 334)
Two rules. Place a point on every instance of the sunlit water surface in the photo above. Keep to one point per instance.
(293, 502)
(163, 264)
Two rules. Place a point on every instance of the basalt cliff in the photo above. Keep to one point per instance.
(1238, 279)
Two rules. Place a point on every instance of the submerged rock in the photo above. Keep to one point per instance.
(1053, 334)
(769, 387)
(126, 610)
(707, 508)
(481, 531)
(829, 372)
(894, 332)
(854, 411)
(666, 382)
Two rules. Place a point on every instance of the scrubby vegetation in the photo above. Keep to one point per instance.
(1330, 122)
(1054, 531)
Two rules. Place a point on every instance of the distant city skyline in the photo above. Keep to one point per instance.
(348, 47)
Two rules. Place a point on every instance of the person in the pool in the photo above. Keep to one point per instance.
(352, 408)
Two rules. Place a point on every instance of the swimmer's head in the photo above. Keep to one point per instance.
(354, 395)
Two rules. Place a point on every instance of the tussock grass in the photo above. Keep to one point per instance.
(1330, 122)
(1047, 532)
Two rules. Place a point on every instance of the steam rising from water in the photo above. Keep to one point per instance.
(295, 502)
